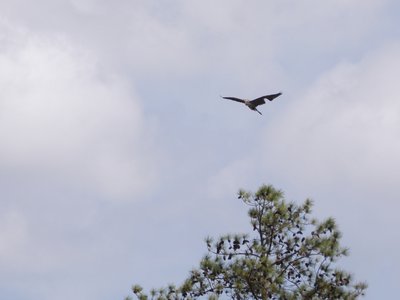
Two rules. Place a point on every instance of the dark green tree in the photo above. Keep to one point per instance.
(289, 256)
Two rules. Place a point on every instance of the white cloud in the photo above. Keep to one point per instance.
(227, 181)
(346, 126)
(85, 6)
(59, 117)
(248, 43)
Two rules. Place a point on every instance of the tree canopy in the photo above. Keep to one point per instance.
(288, 255)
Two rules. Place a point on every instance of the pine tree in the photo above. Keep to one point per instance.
(289, 256)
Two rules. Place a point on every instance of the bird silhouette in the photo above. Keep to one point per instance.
(252, 104)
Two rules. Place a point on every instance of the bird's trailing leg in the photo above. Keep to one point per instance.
(257, 111)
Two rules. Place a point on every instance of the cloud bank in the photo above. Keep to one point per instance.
(61, 118)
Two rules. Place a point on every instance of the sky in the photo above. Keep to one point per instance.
(118, 156)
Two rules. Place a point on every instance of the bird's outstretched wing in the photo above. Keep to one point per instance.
(258, 101)
(261, 100)
(234, 99)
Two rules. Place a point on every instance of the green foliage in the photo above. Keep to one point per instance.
(288, 256)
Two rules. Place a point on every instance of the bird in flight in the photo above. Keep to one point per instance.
(252, 104)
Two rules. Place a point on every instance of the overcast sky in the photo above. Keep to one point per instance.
(118, 156)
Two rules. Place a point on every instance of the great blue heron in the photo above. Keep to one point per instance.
(252, 104)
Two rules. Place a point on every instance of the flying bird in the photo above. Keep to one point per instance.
(252, 104)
